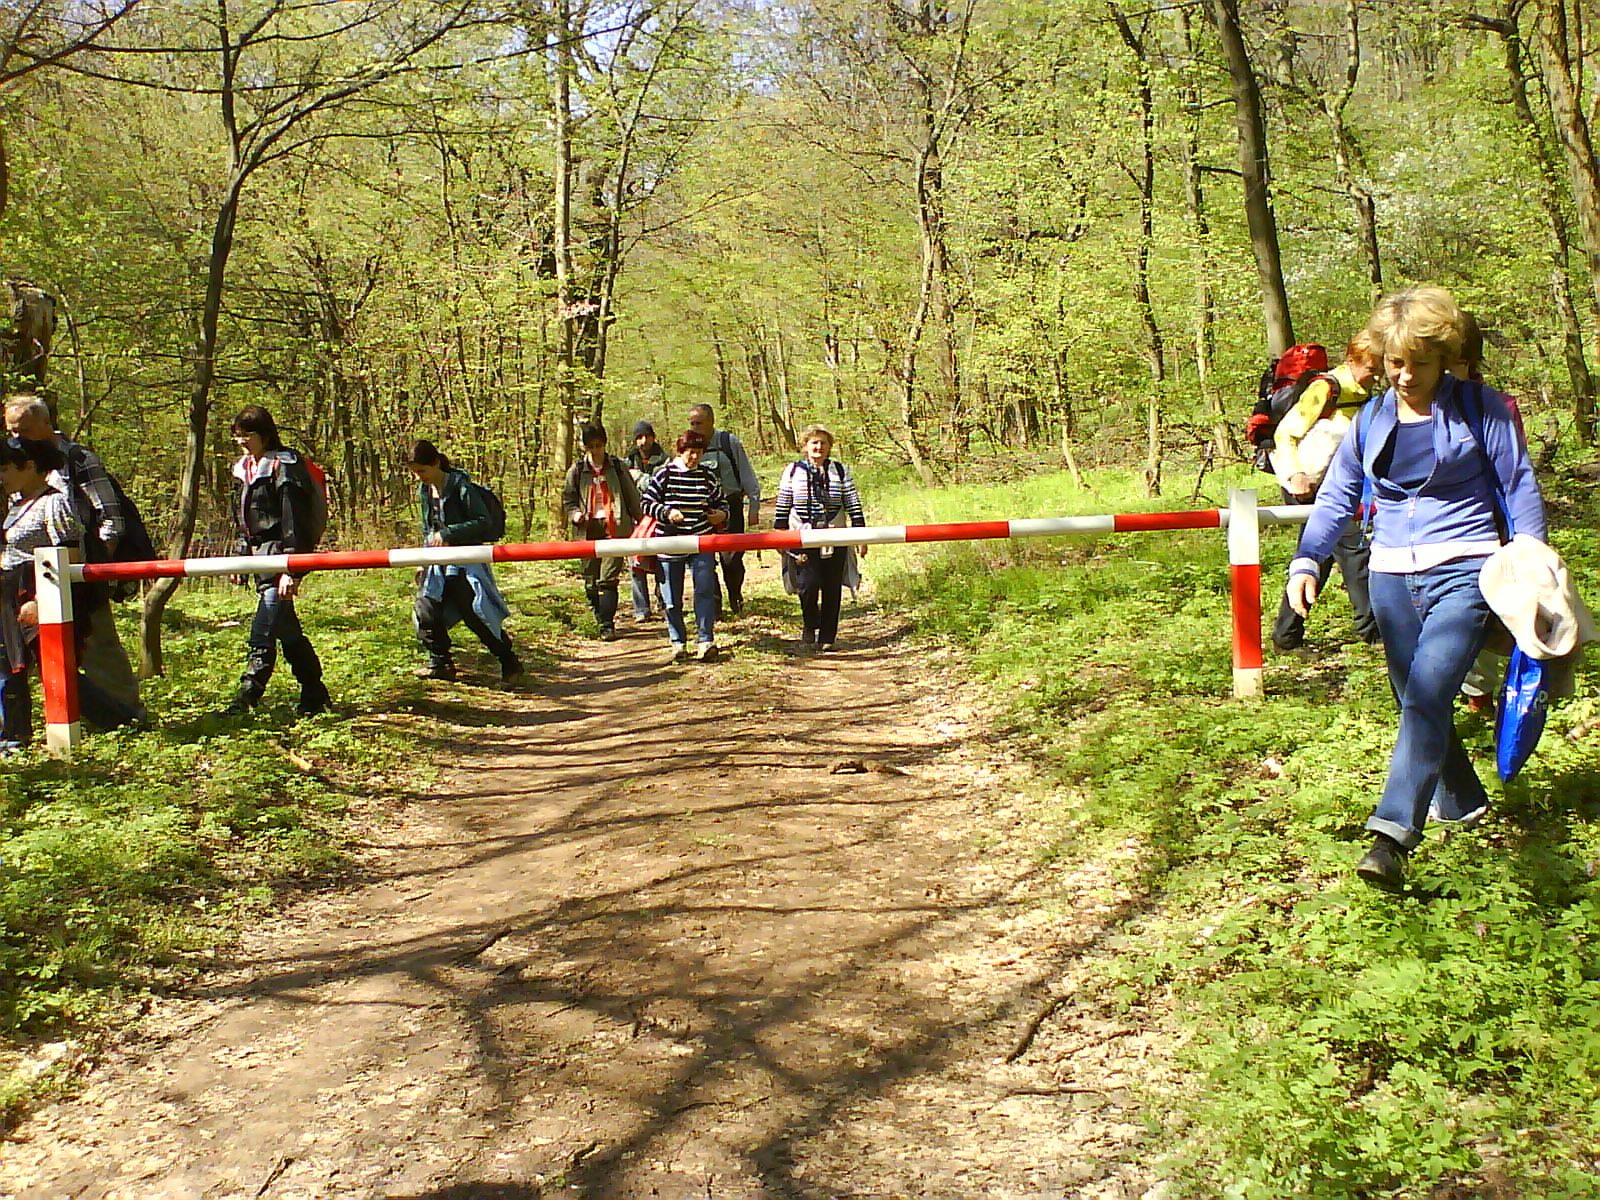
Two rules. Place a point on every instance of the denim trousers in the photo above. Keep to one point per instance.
(641, 590)
(1433, 623)
(702, 568)
(277, 623)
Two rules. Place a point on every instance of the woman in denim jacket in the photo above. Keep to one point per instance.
(1435, 522)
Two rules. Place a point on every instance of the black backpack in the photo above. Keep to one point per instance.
(497, 510)
(134, 545)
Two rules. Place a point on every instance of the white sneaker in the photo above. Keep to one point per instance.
(679, 653)
(706, 651)
(1466, 821)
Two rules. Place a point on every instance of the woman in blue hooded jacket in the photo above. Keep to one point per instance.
(1436, 518)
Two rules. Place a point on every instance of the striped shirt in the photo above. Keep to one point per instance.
(805, 503)
(693, 492)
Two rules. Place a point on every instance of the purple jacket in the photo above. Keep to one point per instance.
(1444, 519)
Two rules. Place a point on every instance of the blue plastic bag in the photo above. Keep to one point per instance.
(1520, 721)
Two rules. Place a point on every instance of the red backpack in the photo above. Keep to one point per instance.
(1281, 386)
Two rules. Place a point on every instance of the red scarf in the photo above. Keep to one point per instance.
(600, 505)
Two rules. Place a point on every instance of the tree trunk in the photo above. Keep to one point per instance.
(1255, 166)
(566, 313)
(193, 471)
(1333, 106)
(1154, 350)
(1578, 374)
(1223, 440)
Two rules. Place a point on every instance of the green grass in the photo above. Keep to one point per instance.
(1335, 1042)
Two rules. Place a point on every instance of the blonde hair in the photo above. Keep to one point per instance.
(1418, 318)
(1359, 350)
(816, 431)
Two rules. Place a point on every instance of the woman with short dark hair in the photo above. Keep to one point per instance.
(601, 501)
(278, 499)
(41, 514)
(685, 497)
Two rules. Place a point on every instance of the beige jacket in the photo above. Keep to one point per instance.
(1305, 439)
(1528, 587)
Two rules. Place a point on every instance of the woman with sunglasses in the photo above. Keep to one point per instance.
(275, 517)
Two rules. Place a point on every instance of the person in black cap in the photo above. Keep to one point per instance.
(647, 456)
(644, 460)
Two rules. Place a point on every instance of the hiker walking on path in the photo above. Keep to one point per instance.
(817, 492)
(1306, 440)
(1437, 453)
(41, 514)
(95, 503)
(278, 511)
(644, 460)
(741, 487)
(456, 513)
(601, 502)
(685, 497)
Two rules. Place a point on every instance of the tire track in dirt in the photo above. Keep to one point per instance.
(614, 956)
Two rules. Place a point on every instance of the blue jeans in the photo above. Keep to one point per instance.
(276, 623)
(703, 569)
(1433, 625)
(641, 590)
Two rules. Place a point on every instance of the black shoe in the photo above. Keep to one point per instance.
(1384, 866)
(436, 670)
(239, 706)
(808, 637)
(510, 670)
(608, 633)
(314, 702)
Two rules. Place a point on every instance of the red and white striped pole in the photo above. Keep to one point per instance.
(1244, 565)
(1242, 520)
(58, 650)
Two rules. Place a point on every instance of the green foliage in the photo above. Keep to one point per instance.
(1335, 1041)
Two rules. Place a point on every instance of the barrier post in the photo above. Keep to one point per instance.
(1244, 564)
(58, 655)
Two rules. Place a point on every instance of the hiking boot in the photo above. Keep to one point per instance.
(706, 652)
(680, 653)
(240, 706)
(1384, 866)
(436, 670)
(314, 699)
(608, 633)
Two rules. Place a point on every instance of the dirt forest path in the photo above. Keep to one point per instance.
(616, 954)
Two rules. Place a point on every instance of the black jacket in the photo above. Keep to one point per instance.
(275, 506)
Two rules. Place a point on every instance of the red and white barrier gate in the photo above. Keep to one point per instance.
(1242, 519)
